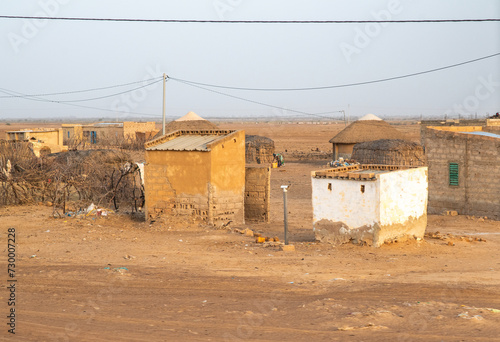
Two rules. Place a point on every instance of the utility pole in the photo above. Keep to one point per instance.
(348, 112)
(285, 210)
(163, 120)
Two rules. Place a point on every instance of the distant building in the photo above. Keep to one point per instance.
(197, 173)
(368, 128)
(72, 133)
(464, 165)
(110, 133)
(107, 133)
(43, 140)
(369, 204)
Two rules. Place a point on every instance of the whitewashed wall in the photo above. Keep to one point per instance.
(345, 202)
(392, 206)
(403, 195)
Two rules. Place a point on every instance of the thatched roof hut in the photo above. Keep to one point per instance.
(368, 128)
(189, 122)
(258, 149)
(390, 152)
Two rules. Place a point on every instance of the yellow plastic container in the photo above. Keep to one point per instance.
(275, 165)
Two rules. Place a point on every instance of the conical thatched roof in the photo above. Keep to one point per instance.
(366, 130)
(369, 117)
(191, 116)
(189, 122)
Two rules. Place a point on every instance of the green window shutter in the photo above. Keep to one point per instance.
(453, 171)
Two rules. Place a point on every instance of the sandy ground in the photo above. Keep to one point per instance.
(118, 278)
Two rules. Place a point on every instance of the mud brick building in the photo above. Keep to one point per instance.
(105, 132)
(464, 164)
(72, 133)
(197, 173)
(257, 193)
(369, 204)
(48, 140)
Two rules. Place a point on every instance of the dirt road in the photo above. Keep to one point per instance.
(118, 278)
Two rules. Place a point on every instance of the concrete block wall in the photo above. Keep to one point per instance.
(257, 194)
(227, 179)
(205, 184)
(160, 197)
(191, 205)
(225, 207)
(478, 159)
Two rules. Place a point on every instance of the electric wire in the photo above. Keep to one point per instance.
(88, 99)
(111, 95)
(85, 90)
(257, 102)
(339, 85)
(203, 21)
(33, 98)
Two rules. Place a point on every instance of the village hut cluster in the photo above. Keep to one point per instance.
(387, 196)
(195, 169)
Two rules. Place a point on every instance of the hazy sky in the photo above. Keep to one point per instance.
(40, 57)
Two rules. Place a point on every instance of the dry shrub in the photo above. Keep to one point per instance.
(71, 179)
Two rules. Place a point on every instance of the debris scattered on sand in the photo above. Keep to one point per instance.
(448, 237)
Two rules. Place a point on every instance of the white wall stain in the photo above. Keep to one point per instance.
(393, 198)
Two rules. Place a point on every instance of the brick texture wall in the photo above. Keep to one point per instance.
(478, 158)
(227, 180)
(225, 206)
(257, 194)
(160, 196)
(204, 184)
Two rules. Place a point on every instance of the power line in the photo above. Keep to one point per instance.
(116, 94)
(254, 21)
(82, 91)
(256, 102)
(34, 98)
(339, 85)
(37, 97)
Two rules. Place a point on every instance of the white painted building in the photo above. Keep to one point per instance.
(369, 203)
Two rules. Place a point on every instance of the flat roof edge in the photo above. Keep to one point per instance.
(366, 172)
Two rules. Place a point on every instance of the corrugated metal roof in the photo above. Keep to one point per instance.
(191, 142)
(485, 134)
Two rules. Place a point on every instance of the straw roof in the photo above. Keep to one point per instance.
(256, 140)
(390, 152)
(189, 122)
(366, 130)
(191, 116)
(189, 125)
(389, 145)
(368, 117)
